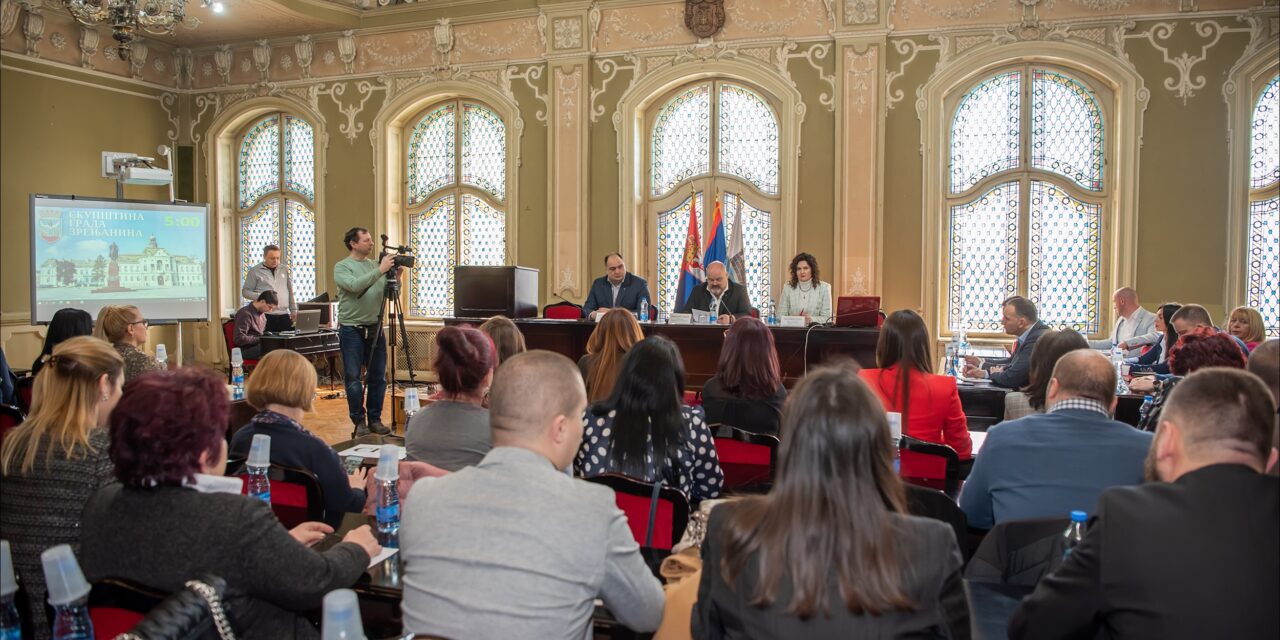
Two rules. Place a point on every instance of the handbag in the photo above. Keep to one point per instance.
(195, 612)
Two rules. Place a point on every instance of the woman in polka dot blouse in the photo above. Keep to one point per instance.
(644, 431)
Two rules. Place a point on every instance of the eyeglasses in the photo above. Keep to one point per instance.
(142, 322)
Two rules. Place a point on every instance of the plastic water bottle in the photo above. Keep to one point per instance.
(341, 619)
(68, 594)
(1117, 362)
(411, 403)
(237, 374)
(388, 479)
(259, 463)
(961, 350)
(10, 623)
(644, 309)
(714, 311)
(772, 318)
(162, 356)
(1075, 532)
(949, 360)
(1145, 409)
(895, 432)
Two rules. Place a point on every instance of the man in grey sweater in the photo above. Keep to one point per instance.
(269, 275)
(514, 547)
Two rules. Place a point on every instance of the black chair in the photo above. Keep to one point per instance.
(296, 496)
(1019, 552)
(950, 484)
(747, 459)
(931, 503)
(656, 524)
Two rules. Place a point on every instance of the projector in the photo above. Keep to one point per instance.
(145, 175)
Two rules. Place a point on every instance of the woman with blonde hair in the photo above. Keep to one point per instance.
(52, 463)
(1247, 324)
(125, 328)
(282, 389)
(616, 332)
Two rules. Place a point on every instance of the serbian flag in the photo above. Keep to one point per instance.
(715, 251)
(691, 273)
(737, 254)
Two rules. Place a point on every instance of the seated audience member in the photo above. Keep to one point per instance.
(1131, 320)
(1264, 362)
(1196, 349)
(97, 324)
(1047, 465)
(1247, 324)
(617, 332)
(1192, 556)
(805, 295)
(513, 547)
(1191, 316)
(506, 337)
(831, 551)
(65, 324)
(616, 289)
(644, 431)
(52, 463)
(126, 330)
(1019, 318)
(746, 391)
(1156, 358)
(729, 298)
(251, 323)
(453, 432)
(174, 516)
(905, 383)
(1051, 346)
(282, 388)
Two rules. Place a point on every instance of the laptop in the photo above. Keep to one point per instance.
(308, 321)
(858, 311)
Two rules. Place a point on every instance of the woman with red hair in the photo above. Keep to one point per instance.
(747, 390)
(453, 431)
(1196, 349)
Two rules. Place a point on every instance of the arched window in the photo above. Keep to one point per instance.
(275, 197)
(707, 138)
(1262, 282)
(455, 196)
(1026, 199)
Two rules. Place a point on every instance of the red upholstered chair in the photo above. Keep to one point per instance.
(919, 465)
(10, 417)
(229, 334)
(116, 605)
(747, 459)
(562, 311)
(24, 389)
(636, 499)
(296, 496)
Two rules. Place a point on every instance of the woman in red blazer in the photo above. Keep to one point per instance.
(905, 383)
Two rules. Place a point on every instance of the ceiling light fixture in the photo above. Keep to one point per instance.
(157, 17)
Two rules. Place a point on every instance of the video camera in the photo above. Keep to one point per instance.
(401, 256)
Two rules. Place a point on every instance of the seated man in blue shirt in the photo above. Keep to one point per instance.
(1046, 465)
(617, 288)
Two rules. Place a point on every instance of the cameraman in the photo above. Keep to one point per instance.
(361, 282)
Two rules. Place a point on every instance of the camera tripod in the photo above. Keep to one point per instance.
(391, 300)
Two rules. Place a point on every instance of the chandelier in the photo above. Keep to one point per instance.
(158, 17)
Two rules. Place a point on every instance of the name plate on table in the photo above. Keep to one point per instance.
(792, 321)
(680, 318)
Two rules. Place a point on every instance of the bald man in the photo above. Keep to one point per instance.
(514, 547)
(1192, 556)
(1131, 321)
(1049, 464)
(730, 298)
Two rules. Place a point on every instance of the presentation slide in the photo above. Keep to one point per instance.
(88, 253)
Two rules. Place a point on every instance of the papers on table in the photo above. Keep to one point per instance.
(977, 437)
(386, 552)
(977, 381)
(792, 321)
(367, 451)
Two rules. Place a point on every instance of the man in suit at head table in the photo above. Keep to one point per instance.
(1020, 318)
(617, 288)
(1191, 554)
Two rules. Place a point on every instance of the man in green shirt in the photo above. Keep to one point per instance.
(361, 282)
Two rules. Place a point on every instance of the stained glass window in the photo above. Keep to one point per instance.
(983, 252)
(1263, 260)
(985, 131)
(456, 185)
(1065, 257)
(673, 230)
(757, 246)
(1043, 173)
(682, 139)
(276, 192)
(748, 137)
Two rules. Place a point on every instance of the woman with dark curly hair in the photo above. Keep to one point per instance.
(805, 294)
(174, 516)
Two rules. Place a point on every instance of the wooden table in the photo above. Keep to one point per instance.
(984, 406)
(798, 348)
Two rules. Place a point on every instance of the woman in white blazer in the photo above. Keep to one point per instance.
(805, 295)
